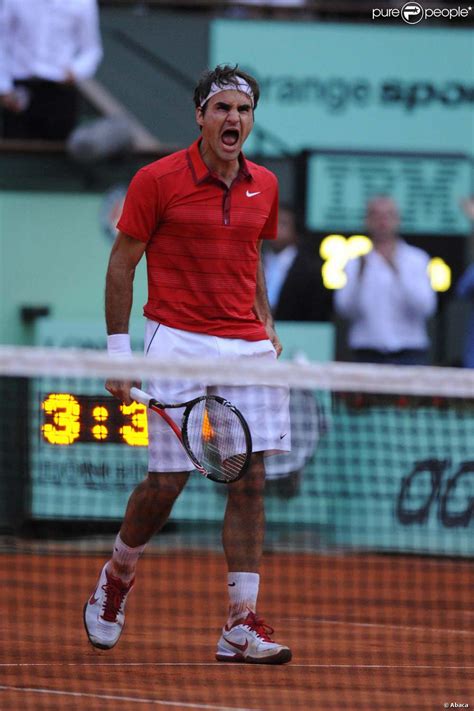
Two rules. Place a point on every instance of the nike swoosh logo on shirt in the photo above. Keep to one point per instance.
(241, 647)
(252, 194)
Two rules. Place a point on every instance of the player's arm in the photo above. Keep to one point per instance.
(262, 307)
(125, 255)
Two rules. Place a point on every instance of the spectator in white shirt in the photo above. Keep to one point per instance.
(46, 47)
(388, 296)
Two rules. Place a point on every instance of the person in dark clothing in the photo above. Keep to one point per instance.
(295, 287)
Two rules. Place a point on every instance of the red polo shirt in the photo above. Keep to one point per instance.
(202, 242)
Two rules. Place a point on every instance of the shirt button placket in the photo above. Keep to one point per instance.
(226, 206)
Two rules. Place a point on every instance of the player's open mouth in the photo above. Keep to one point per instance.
(230, 137)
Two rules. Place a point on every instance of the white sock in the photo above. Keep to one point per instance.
(124, 559)
(243, 593)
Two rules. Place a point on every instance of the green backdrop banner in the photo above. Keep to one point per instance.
(356, 86)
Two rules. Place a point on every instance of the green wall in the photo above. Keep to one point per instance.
(53, 252)
(152, 60)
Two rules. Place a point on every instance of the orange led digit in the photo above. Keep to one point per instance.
(63, 413)
(136, 433)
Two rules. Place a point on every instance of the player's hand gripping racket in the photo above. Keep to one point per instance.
(213, 432)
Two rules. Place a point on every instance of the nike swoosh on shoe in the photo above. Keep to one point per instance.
(93, 599)
(240, 647)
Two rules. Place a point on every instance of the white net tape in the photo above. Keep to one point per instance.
(338, 377)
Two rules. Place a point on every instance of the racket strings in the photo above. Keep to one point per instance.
(217, 439)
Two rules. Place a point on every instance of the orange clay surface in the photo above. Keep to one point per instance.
(367, 632)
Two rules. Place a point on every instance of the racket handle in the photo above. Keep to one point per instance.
(140, 396)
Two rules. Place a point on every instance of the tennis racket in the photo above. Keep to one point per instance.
(213, 432)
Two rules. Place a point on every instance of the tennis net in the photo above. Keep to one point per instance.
(367, 568)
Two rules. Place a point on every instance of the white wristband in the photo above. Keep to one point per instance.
(118, 345)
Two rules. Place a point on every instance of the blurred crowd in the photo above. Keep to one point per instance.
(46, 48)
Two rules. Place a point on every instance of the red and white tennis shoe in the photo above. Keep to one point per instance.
(104, 615)
(248, 641)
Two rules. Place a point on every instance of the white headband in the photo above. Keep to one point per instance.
(238, 85)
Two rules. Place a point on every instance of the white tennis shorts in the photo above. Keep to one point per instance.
(266, 409)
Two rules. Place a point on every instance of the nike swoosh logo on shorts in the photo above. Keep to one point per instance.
(231, 585)
(283, 435)
(241, 647)
(252, 194)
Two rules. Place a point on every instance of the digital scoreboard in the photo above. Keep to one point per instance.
(71, 419)
(87, 450)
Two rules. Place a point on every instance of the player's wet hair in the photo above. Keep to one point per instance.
(224, 75)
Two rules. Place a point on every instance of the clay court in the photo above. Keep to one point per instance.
(384, 632)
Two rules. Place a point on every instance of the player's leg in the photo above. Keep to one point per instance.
(148, 510)
(245, 637)
(244, 520)
(152, 500)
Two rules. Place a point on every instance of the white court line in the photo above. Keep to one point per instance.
(406, 628)
(222, 666)
(136, 700)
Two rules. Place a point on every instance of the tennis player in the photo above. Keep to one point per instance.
(200, 215)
